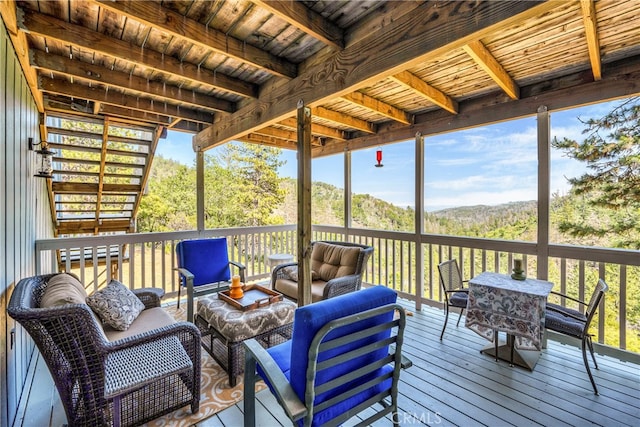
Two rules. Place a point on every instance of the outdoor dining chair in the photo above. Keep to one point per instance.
(453, 290)
(345, 356)
(575, 323)
(204, 268)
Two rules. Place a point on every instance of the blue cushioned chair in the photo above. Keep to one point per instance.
(453, 290)
(204, 268)
(575, 323)
(344, 356)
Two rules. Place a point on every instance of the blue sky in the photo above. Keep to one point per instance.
(486, 165)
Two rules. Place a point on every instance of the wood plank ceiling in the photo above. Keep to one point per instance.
(373, 71)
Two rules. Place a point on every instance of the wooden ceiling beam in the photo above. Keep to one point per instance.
(425, 90)
(98, 94)
(431, 30)
(160, 18)
(76, 35)
(21, 47)
(254, 138)
(317, 129)
(306, 20)
(379, 107)
(481, 55)
(284, 134)
(591, 33)
(134, 116)
(127, 82)
(343, 119)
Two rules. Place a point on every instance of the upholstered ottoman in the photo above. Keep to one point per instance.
(225, 327)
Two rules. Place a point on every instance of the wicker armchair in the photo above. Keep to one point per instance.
(128, 381)
(337, 269)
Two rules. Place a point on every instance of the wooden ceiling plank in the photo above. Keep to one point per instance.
(282, 134)
(343, 119)
(591, 33)
(163, 19)
(422, 88)
(306, 20)
(481, 55)
(126, 81)
(378, 107)
(112, 97)
(433, 30)
(76, 35)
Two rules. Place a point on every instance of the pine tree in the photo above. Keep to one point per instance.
(611, 187)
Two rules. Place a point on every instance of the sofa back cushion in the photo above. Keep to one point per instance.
(330, 261)
(63, 289)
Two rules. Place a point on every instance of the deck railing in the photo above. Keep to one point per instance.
(147, 260)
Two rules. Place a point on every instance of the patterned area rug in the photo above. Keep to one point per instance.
(215, 393)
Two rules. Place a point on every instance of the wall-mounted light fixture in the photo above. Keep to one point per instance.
(45, 161)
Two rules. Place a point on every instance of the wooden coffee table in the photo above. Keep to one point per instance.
(225, 327)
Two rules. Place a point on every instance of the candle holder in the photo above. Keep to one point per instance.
(518, 272)
(235, 291)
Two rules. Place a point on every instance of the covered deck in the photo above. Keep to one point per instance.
(451, 384)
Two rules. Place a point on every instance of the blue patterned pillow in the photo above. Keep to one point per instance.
(116, 305)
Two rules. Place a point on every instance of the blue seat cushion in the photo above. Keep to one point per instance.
(555, 320)
(281, 354)
(459, 299)
(206, 259)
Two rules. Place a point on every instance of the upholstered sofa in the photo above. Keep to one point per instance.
(144, 366)
(336, 269)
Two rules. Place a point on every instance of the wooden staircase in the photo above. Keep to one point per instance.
(100, 169)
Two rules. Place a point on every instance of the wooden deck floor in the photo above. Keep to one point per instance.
(452, 384)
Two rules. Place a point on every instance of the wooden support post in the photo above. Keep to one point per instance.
(347, 193)
(419, 218)
(304, 204)
(544, 192)
(200, 189)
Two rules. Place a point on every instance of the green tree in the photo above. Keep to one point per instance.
(244, 186)
(611, 187)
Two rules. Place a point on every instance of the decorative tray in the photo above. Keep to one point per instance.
(254, 296)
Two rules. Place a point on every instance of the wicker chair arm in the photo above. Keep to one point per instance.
(279, 273)
(341, 285)
(570, 298)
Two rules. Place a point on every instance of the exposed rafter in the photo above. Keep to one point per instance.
(156, 16)
(430, 93)
(343, 119)
(481, 55)
(118, 99)
(407, 41)
(312, 23)
(591, 33)
(125, 81)
(378, 107)
(76, 35)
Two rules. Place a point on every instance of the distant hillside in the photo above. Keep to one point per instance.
(370, 212)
